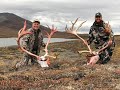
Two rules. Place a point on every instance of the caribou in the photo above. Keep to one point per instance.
(41, 59)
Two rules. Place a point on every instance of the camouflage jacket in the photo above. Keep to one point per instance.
(98, 36)
(29, 40)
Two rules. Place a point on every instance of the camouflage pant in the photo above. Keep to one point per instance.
(105, 56)
(26, 59)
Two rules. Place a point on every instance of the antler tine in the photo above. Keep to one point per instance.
(24, 28)
(84, 51)
(74, 23)
(53, 30)
(56, 28)
(81, 25)
(66, 28)
(109, 25)
(48, 26)
(22, 31)
(52, 27)
(47, 34)
(19, 32)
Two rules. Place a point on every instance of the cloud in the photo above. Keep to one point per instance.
(61, 12)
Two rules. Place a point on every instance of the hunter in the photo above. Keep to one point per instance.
(33, 42)
(101, 38)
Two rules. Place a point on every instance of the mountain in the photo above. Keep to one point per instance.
(11, 23)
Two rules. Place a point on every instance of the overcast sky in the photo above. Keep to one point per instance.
(61, 12)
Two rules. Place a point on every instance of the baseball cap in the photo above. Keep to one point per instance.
(36, 20)
(98, 14)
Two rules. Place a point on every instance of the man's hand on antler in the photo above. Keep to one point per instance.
(109, 42)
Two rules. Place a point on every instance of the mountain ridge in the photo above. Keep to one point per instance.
(10, 24)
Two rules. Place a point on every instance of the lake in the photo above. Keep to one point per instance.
(5, 42)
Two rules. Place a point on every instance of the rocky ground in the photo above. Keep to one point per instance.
(67, 72)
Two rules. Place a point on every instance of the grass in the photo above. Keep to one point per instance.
(67, 72)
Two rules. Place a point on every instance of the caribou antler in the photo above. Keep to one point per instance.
(24, 32)
(72, 30)
(93, 55)
(53, 30)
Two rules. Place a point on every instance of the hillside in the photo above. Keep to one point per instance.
(11, 23)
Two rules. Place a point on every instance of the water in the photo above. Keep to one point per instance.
(5, 42)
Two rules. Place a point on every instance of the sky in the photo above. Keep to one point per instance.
(61, 12)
